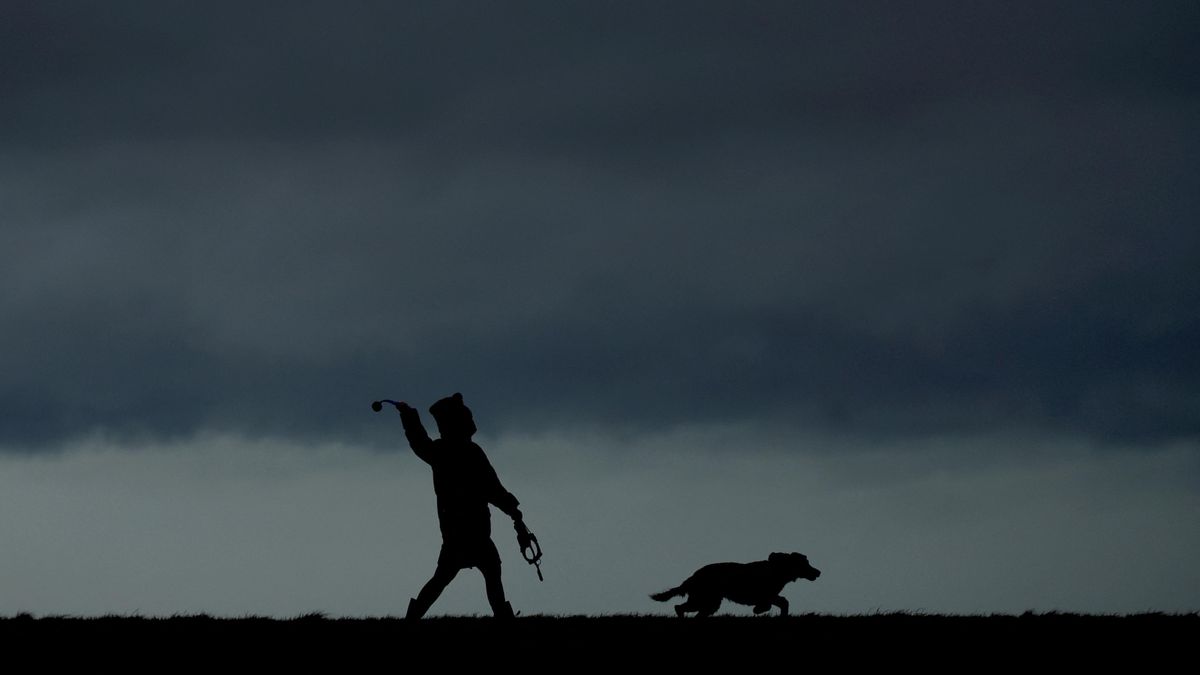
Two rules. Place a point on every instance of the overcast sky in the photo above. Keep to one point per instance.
(910, 289)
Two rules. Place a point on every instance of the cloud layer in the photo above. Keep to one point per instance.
(862, 220)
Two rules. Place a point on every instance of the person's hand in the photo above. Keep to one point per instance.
(403, 407)
(524, 539)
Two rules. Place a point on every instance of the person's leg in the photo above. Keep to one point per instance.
(489, 565)
(442, 576)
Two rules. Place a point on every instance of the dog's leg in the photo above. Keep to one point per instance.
(690, 606)
(781, 603)
(709, 606)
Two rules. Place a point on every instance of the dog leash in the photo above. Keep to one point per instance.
(531, 550)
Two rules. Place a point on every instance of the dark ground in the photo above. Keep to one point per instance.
(542, 643)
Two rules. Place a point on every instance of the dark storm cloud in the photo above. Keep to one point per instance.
(592, 74)
(871, 219)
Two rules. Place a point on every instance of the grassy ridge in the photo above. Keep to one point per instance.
(547, 642)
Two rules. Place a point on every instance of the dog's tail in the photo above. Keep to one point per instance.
(668, 594)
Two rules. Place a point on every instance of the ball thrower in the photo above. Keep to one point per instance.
(531, 551)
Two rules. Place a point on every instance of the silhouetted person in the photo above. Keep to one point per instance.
(465, 483)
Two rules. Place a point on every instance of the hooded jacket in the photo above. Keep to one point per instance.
(463, 479)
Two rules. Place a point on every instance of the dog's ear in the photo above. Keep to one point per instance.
(776, 557)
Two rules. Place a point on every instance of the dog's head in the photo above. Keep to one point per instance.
(794, 566)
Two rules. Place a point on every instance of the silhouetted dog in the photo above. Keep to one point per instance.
(757, 584)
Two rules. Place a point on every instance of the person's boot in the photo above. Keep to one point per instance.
(504, 611)
(415, 610)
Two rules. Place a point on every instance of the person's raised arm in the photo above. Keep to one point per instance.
(414, 431)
